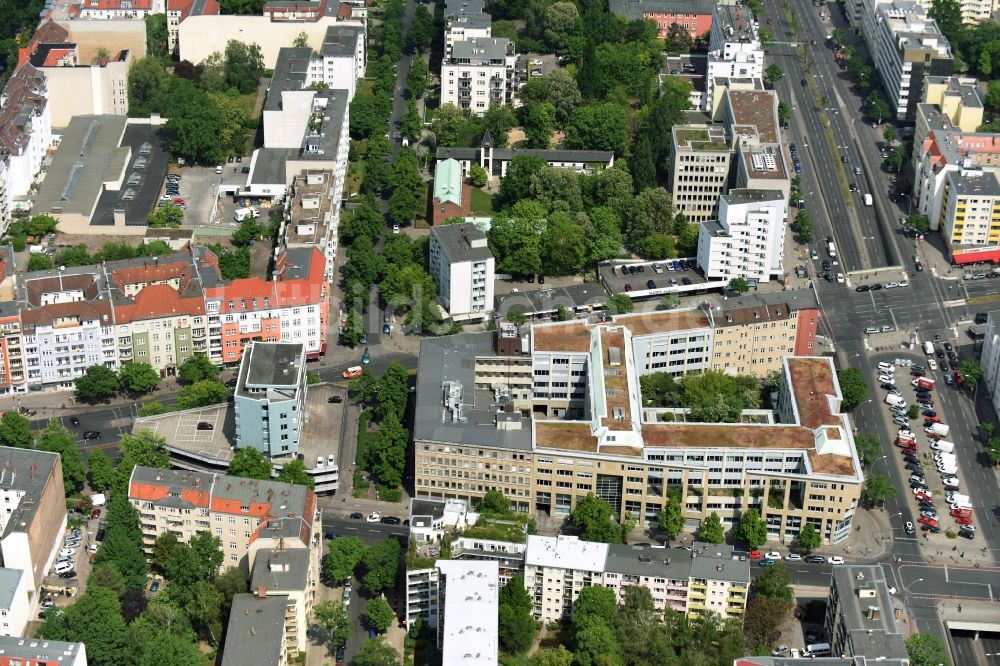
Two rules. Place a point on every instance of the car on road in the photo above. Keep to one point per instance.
(357, 515)
(815, 559)
(835, 559)
(932, 364)
(803, 83)
(767, 563)
(793, 557)
(74, 421)
(390, 520)
(876, 287)
(908, 528)
(374, 517)
(862, 288)
(92, 434)
(774, 555)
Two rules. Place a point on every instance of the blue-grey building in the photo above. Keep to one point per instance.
(270, 394)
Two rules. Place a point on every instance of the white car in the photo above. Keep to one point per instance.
(772, 556)
(932, 364)
(793, 557)
(835, 559)
(950, 481)
(67, 552)
(903, 432)
(840, 278)
(395, 228)
(891, 285)
(374, 517)
(904, 283)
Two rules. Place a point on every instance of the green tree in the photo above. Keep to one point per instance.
(146, 79)
(41, 225)
(163, 551)
(596, 520)
(948, 15)
(55, 438)
(563, 245)
(156, 35)
(869, 448)
(538, 121)
(803, 226)
(972, 372)
(739, 285)
(773, 583)
(925, 649)
(244, 66)
(295, 472)
(353, 328)
(852, 386)
(773, 73)
(809, 539)
(711, 530)
(478, 176)
(516, 185)
(671, 518)
(152, 408)
(517, 626)
(558, 88)
(380, 566)
(98, 383)
(166, 216)
(499, 121)
(122, 545)
(919, 223)
(204, 608)
(247, 232)
(39, 262)
(751, 530)
(762, 624)
(100, 470)
(449, 124)
(515, 238)
(378, 614)
(15, 430)
(96, 619)
(194, 134)
(494, 502)
(416, 78)
(619, 304)
(678, 39)
(197, 368)
(250, 463)
(784, 112)
(889, 133)
(878, 488)
(367, 113)
(374, 652)
(332, 616)
(599, 127)
(107, 576)
(343, 558)
(557, 656)
(144, 448)
(201, 394)
(136, 378)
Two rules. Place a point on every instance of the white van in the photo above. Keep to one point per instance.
(817, 650)
(63, 567)
(886, 367)
(929, 348)
(868, 200)
(243, 213)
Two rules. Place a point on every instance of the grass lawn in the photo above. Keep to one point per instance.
(364, 439)
(423, 205)
(355, 174)
(482, 202)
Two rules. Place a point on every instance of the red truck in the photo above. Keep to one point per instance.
(923, 383)
(906, 442)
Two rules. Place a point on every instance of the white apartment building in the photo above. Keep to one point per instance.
(975, 12)
(747, 240)
(464, 19)
(342, 59)
(906, 45)
(990, 358)
(120, 9)
(734, 50)
(82, 88)
(15, 608)
(18, 650)
(293, 575)
(179, 10)
(479, 74)
(25, 136)
(463, 269)
(557, 568)
(469, 592)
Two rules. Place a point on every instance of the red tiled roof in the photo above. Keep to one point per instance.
(53, 57)
(49, 32)
(153, 492)
(158, 300)
(20, 95)
(142, 5)
(281, 293)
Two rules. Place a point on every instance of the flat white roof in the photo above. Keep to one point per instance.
(565, 552)
(471, 606)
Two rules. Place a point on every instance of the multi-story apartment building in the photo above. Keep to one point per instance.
(16, 651)
(15, 602)
(906, 45)
(469, 594)
(261, 630)
(707, 579)
(479, 74)
(25, 136)
(695, 16)
(949, 102)
(464, 19)
(179, 10)
(747, 240)
(699, 172)
(753, 332)
(975, 12)
(34, 516)
(861, 616)
(312, 216)
(293, 574)
(343, 57)
(734, 49)
(970, 211)
(463, 269)
(81, 88)
(119, 9)
(584, 429)
(990, 358)
(270, 396)
(248, 515)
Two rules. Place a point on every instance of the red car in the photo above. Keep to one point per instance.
(931, 419)
(962, 513)
(924, 520)
(963, 520)
(959, 381)
(923, 498)
(755, 555)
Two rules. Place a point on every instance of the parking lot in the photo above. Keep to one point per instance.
(181, 431)
(199, 187)
(651, 279)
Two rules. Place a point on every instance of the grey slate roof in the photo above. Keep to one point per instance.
(28, 471)
(455, 239)
(273, 578)
(15, 647)
(9, 579)
(340, 40)
(256, 630)
(268, 363)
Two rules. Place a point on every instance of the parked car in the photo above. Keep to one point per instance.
(357, 515)
(835, 559)
(374, 517)
(815, 559)
(92, 434)
(908, 528)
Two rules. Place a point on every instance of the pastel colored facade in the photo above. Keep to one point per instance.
(970, 212)
(293, 574)
(246, 514)
(270, 397)
(463, 268)
(25, 137)
(705, 580)
(91, 37)
(748, 239)
(695, 16)
(567, 419)
(480, 74)
(906, 45)
(179, 10)
(119, 9)
(34, 519)
(40, 652)
(959, 100)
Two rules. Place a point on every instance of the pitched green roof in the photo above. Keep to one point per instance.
(448, 181)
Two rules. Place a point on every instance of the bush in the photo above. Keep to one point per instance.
(389, 494)
(19, 243)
